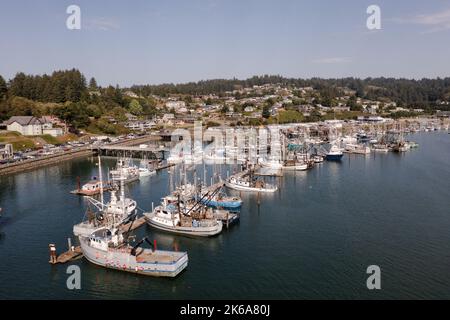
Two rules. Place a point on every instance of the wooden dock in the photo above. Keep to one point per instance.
(68, 256)
(164, 166)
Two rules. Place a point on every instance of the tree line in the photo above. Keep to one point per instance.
(405, 92)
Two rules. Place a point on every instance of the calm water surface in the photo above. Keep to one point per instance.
(312, 239)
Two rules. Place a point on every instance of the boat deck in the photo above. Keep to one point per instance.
(136, 224)
(70, 255)
(156, 257)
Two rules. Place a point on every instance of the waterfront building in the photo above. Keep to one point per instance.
(6, 151)
(32, 126)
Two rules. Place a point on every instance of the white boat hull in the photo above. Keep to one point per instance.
(249, 189)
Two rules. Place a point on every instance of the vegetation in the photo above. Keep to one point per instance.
(66, 94)
(424, 92)
(289, 116)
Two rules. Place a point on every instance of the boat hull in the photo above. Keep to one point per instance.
(249, 189)
(123, 261)
(334, 157)
(300, 167)
(222, 204)
(187, 231)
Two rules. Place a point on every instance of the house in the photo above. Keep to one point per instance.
(25, 125)
(175, 105)
(32, 126)
(131, 117)
(443, 114)
(6, 151)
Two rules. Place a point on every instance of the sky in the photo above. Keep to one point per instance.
(175, 41)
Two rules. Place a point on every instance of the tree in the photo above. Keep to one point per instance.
(76, 114)
(3, 88)
(93, 84)
(135, 108)
(266, 112)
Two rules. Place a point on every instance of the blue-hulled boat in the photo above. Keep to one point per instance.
(222, 201)
(335, 154)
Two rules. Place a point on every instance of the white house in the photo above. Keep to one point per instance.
(175, 105)
(25, 125)
(32, 126)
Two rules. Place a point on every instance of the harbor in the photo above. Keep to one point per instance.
(389, 198)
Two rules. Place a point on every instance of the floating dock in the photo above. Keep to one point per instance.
(68, 256)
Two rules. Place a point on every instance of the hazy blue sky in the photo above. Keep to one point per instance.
(155, 41)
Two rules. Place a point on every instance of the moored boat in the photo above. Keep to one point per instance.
(125, 170)
(335, 154)
(109, 249)
(245, 182)
(170, 217)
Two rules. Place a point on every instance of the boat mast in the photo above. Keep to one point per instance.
(101, 178)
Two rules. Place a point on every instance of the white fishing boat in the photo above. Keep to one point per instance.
(146, 172)
(175, 217)
(318, 159)
(116, 211)
(357, 149)
(272, 163)
(295, 166)
(125, 170)
(108, 248)
(245, 182)
(380, 148)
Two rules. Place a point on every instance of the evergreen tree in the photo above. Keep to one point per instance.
(3, 88)
(93, 84)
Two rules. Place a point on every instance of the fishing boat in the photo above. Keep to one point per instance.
(296, 162)
(125, 170)
(400, 146)
(109, 248)
(92, 187)
(380, 148)
(272, 163)
(318, 159)
(335, 154)
(146, 168)
(357, 149)
(245, 182)
(218, 199)
(146, 172)
(116, 211)
(178, 218)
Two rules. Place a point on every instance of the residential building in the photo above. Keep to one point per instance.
(32, 126)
